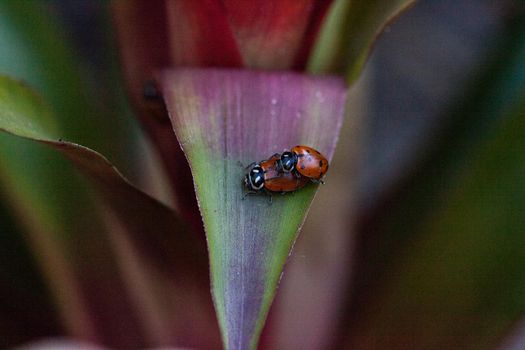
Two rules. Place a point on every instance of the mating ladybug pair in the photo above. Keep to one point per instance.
(286, 172)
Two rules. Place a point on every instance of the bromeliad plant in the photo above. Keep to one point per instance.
(215, 84)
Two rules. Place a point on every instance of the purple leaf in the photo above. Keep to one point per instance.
(221, 118)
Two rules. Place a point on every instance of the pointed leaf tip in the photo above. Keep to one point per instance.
(221, 118)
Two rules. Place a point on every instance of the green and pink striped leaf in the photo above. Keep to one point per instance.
(226, 117)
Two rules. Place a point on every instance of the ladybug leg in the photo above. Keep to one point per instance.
(317, 181)
(265, 191)
(269, 196)
(246, 194)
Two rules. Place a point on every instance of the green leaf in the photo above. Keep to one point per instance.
(54, 205)
(449, 259)
(468, 265)
(348, 34)
(27, 172)
(141, 229)
(221, 118)
(70, 230)
(93, 113)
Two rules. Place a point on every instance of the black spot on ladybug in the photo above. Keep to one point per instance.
(307, 151)
(320, 164)
(302, 166)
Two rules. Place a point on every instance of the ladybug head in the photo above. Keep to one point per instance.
(288, 161)
(254, 180)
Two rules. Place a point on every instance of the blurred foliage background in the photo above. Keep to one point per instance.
(427, 183)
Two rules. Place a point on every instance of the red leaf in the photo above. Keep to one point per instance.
(275, 34)
(200, 34)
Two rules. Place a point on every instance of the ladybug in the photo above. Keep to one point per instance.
(266, 177)
(304, 161)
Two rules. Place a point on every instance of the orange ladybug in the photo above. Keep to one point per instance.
(305, 161)
(266, 177)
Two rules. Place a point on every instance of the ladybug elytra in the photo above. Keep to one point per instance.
(304, 161)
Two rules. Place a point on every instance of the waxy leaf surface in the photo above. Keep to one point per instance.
(224, 118)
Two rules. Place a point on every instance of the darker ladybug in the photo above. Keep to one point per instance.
(266, 177)
(304, 161)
